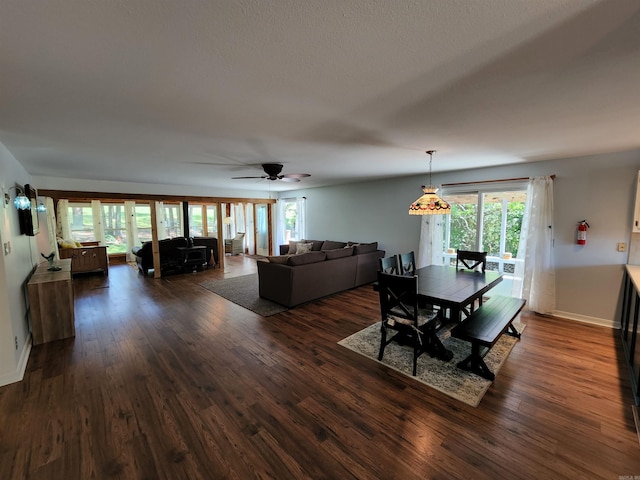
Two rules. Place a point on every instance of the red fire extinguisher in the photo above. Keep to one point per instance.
(582, 232)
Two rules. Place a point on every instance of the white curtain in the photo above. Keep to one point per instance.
(301, 217)
(51, 226)
(132, 229)
(280, 222)
(431, 234)
(250, 237)
(64, 229)
(98, 225)
(240, 225)
(536, 241)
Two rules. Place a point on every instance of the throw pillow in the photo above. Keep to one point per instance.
(303, 248)
(317, 244)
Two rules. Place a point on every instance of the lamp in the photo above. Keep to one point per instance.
(429, 203)
(21, 202)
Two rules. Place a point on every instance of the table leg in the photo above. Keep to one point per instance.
(433, 346)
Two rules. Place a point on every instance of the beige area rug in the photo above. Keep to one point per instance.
(445, 377)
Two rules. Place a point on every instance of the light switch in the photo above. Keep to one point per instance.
(7, 248)
(622, 247)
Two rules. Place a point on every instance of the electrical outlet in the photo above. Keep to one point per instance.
(622, 247)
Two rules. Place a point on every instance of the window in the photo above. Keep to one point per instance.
(486, 221)
(212, 221)
(115, 228)
(292, 215)
(81, 222)
(173, 220)
(196, 225)
(143, 224)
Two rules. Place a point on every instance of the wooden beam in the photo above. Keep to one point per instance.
(78, 196)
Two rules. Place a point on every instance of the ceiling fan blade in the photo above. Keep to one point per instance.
(288, 179)
(240, 178)
(296, 175)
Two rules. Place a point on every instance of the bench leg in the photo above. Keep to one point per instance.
(511, 331)
(474, 363)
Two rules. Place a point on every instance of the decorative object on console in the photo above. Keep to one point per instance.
(429, 203)
(49, 258)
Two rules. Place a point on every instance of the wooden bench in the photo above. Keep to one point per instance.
(484, 327)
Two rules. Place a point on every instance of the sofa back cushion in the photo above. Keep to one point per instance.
(365, 248)
(317, 244)
(306, 258)
(282, 259)
(331, 245)
(339, 253)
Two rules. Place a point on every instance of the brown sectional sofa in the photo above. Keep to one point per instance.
(330, 267)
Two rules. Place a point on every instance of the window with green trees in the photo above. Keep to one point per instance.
(486, 221)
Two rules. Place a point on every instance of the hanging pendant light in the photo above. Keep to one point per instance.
(430, 203)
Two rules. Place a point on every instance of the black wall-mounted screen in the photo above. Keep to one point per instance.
(29, 218)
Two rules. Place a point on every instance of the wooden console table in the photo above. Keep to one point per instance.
(87, 259)
(51, 303)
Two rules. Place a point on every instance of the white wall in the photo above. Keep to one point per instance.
(14, 271)
(599, 188)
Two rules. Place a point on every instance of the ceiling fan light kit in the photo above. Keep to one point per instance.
(430, 203)
(272, 172)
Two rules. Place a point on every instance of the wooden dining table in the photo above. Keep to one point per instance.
(453, 289)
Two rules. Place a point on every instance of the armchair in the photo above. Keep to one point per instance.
(235, 245)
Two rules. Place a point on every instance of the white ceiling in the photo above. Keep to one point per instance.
(193, 92)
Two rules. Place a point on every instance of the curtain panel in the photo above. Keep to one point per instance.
(536, 242)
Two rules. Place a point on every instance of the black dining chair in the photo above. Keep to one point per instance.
(468, 260)
(407, 263)
(389, 265)
(400, 312)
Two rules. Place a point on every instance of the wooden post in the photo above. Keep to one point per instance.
(155, 248)
(220, 235)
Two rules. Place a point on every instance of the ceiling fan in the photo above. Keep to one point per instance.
(272, 171)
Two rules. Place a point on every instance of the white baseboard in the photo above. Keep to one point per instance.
(18, 374)
(603, 322)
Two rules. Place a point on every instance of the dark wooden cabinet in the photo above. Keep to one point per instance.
(629, 328)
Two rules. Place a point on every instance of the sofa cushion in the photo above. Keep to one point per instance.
(317, 244)
(331, 245)
(282, 259)
(306, 258)
(339, 253)
(303, 248)
(365, 248)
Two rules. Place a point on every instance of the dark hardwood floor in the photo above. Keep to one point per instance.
(166, 380)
